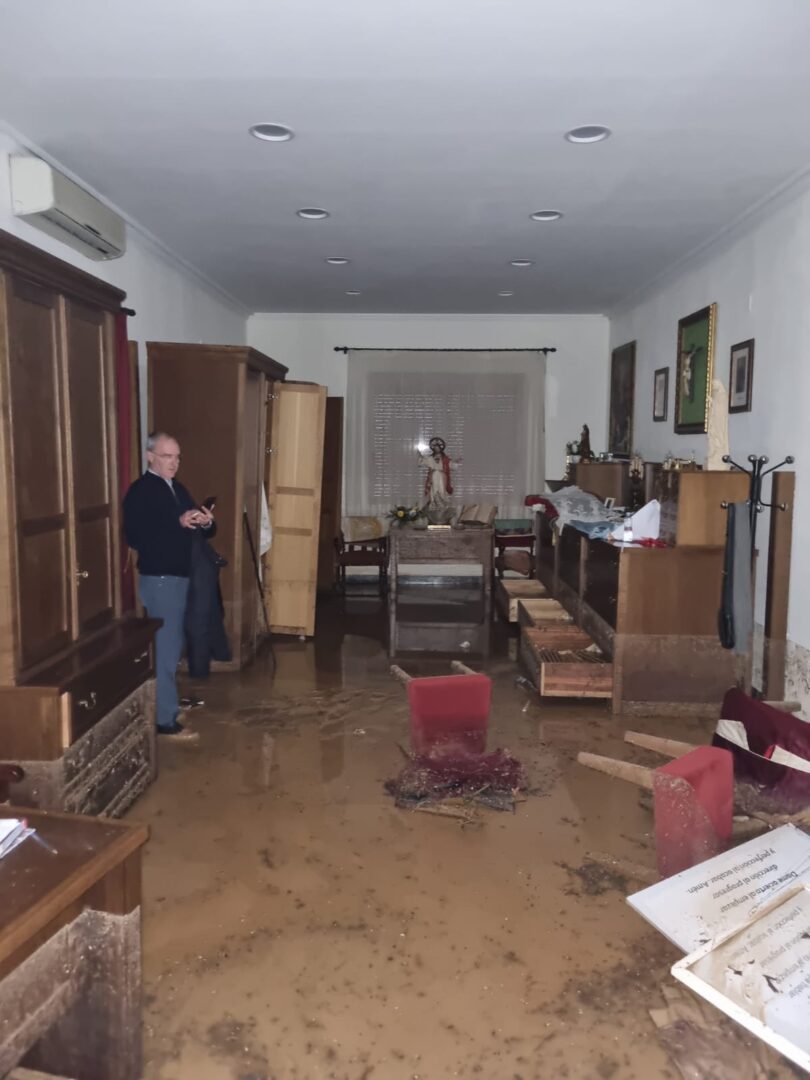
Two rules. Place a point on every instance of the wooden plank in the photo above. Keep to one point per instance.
(562, 636)
(297, 464)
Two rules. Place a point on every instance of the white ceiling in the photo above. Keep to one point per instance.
(431, 129)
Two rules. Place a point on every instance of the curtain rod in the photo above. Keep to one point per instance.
(545, 349)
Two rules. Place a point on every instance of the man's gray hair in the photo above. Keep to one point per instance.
(154, 437)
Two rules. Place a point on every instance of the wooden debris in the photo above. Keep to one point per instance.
(465, 814)
(639, 775)
(461, 669)
(400, 675)
(671, 748)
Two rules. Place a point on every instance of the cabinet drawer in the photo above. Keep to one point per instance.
(95, 692)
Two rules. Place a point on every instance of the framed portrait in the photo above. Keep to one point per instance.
(741, 376)
(622, 388)
(693, 371)
(660, 394)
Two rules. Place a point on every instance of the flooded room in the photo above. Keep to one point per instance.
(403, 669)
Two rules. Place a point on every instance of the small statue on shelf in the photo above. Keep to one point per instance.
(438, 483)
(585, 452)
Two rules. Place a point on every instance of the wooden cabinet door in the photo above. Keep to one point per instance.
(43, 615)
(252, 437)
(295, 506)
(89, 391)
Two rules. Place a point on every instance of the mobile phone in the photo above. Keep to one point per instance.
(210, 502)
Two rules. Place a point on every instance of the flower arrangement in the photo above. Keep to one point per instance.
(405, 515)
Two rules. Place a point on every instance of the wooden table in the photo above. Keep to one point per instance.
(70, 949)
(471, 632)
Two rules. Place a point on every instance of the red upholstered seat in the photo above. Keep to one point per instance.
(450, 710)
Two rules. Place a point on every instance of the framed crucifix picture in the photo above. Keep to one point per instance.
(693, 372)
(741, 376)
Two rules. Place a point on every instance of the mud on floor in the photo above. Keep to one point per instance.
(298, 926)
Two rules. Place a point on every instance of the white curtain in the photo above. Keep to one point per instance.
(487, 406)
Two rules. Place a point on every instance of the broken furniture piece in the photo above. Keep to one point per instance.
(562, 660)
(693, 803)
(510, 591)
(448, 710)
(70, 949)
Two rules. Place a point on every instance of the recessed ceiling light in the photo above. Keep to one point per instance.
(335, 261)
(271, 132)
(353, 292)
(506, 292)
(312, 213)
(546, 215)
(521, 264)
(587, 134)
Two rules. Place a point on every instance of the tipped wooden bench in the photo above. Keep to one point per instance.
(542, 610)
(509, 591)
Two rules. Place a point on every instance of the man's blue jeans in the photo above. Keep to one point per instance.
(165, 598)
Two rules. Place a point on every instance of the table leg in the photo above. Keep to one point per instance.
(99, 1037)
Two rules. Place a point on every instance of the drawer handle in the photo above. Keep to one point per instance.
(88, 702)
(82, 575)
(140, 659)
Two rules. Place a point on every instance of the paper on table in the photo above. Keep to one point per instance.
(12, 833)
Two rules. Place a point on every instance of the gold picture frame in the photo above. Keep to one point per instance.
(693, 371)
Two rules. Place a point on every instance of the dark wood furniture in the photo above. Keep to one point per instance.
(423, 630)
(350, 553)
(653, 612)
(70, 949)
(214, 400)
(331, 493)
(604, 479)
(75, 674)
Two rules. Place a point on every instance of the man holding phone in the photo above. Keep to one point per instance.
(159, 518)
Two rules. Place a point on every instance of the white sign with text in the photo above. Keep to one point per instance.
(707, 901)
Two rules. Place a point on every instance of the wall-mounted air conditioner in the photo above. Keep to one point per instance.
(45, 198)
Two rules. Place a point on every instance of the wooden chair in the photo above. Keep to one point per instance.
(523, 540)
(361, 553)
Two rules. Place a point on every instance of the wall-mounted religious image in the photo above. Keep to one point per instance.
(622, 387)
(741, 377)
(693, 372)
(438, 507)
(660, 394)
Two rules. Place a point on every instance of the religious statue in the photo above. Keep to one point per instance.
(717, 427)
(438, 483)
(585, 452)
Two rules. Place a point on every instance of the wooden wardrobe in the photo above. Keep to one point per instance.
(76, 685)
(215, 400)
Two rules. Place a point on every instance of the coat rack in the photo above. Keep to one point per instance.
(777, 583)
(757, 474)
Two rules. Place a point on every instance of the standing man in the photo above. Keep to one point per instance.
(159, 518)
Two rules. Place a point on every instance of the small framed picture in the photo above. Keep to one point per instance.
(610, 502)
(741, 377)
(660, 393)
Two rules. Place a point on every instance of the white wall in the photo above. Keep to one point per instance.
(760, 280)
(172, 302)
(576, 375)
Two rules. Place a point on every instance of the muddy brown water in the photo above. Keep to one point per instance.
(299, 927)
